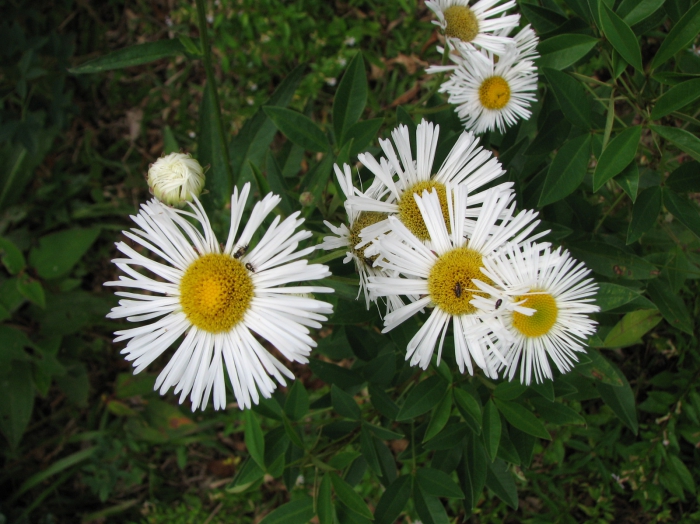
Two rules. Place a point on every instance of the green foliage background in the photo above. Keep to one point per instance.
(610, 158)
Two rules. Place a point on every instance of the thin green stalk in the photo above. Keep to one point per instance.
(607, 213)
(609, 121)
(211, 85)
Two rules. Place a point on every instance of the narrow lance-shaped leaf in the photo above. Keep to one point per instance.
(616, 156)
(350, 98)
(671, 305)
(685, 211)
(644, 214)
(131, 56)
(298, 128)
(676, 98)
(567, 170)
(519, 416)
(680, 36)
(631, 328)
(393, 501)
(621, 37)
(571, 97)
(561, 51)
(681, 138)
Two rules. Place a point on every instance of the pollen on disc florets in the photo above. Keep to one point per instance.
(364, 219)
(411, 216)
(541, 322)
(450, 280)
(215, 292)
(494, 93)
(461, 23)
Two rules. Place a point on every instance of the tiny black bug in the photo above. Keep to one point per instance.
(249, 267)
(240, 252)
(498, 303)
(458, 290)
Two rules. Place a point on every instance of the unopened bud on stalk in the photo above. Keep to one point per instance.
(176, 178)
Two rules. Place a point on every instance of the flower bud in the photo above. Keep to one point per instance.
(176, 178)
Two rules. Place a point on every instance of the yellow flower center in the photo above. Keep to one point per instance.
(546, 312)
(461, 23)
(410, 214)
(494, 93)
(364, 219)
(215, 292)
(450, 280)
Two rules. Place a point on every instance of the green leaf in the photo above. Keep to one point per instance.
(383, 433)
(350, 98)
(634, 11)
(58, 466)
(382, 402)
(545, 389)
(11, 257)
(131, 56)
(671, 305)
(446, 439)
(682, 472)
(349, 497)
(501, 482)
(556, 412)
(298, 128)
(422, 398)
(297, 403)
(611, 296)
(345, 404)
(629, 181)
(75, 384)
(567, 170)
(645, 213)
(685, 178)
(599, 368)
(170, 144)
(17, 395)
(393, 501)
(491, 428)
(429, 508)
(612, 261)
(520, 417)
(676, 98)
(57, 253)
(295, 512)
(211, 151)
(439, 417)
(472, 472)
(331, 374)
(683, 210)
(252, 142)
(541, 18)
(619, 152)
(622, 38)
(31, 290)
(362, 134)
(631, 328)
(681, 138)
(324, 505)
(621, 401)
(246, 475)
(277, 185)
(571, 97)
(254, 439)
(438, 484)
(561, 51)
(469, 408)
(680, 37)
(509, 390)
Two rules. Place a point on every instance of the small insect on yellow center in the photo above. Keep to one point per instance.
(450, 280)
(215, 292)
(409, 213)
(494, 93)
(363, 220)
(461, 23)
(541, 322)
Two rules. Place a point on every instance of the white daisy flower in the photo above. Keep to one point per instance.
(480, 25)
(175, 179)
(217, 297)
(492, 94)
(544, 306)
(443, 276)
(349, 236)
(467, 164)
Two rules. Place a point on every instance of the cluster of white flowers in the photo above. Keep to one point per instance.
(493, 78)
(451, 242)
